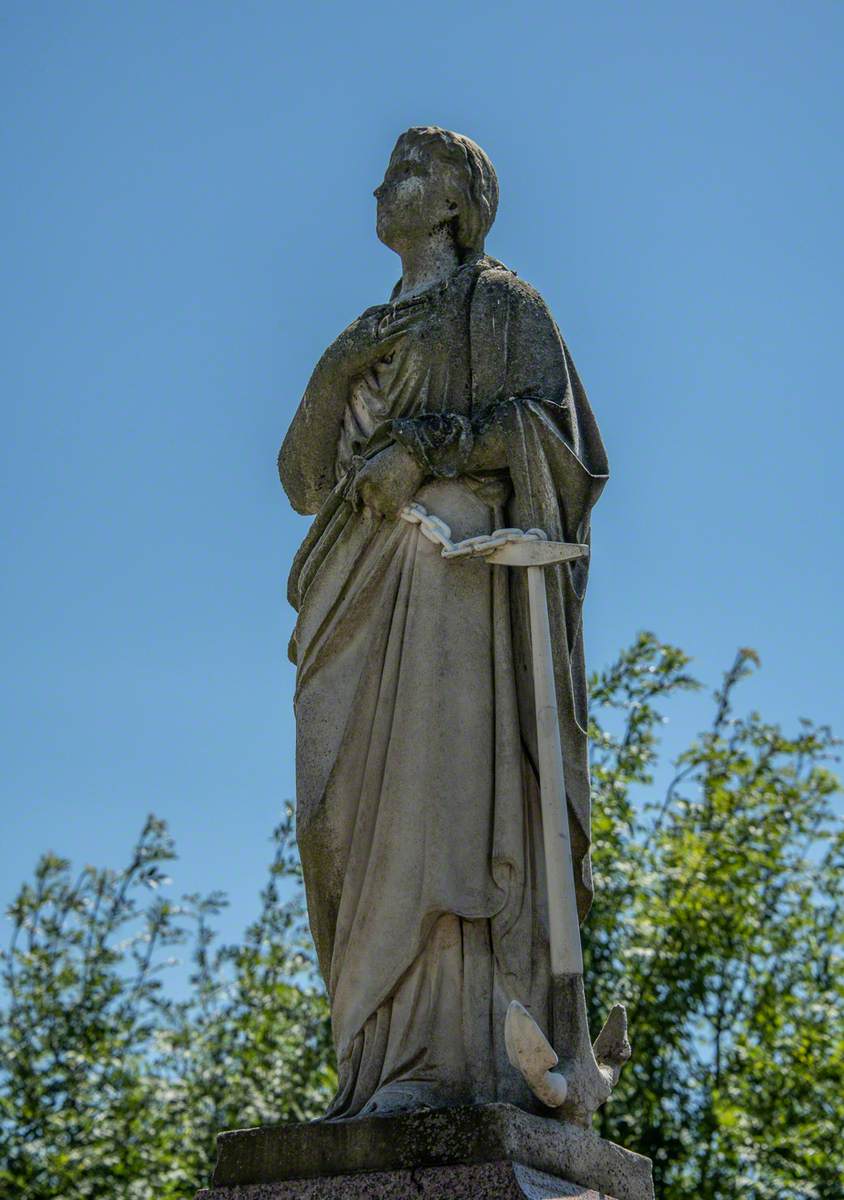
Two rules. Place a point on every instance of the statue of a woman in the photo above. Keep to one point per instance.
(418, 813)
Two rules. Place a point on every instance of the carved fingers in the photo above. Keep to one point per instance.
(385, 482)
(373, 336)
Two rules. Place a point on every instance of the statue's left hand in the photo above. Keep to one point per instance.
(387, 481)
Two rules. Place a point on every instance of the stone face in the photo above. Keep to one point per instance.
(426, 1140)
(486, 1181)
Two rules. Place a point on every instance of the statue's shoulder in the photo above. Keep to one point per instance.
(500, 287)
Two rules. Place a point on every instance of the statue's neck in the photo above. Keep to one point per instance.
(427, 262)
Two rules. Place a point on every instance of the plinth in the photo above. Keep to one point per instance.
(478, 1152)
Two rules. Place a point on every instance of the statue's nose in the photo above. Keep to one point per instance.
(379, 191)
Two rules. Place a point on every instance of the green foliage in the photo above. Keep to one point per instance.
(717, 921)
(111, 1089)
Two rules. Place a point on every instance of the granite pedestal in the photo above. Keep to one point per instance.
(483, 1152)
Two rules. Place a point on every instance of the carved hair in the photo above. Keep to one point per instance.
(478, 201)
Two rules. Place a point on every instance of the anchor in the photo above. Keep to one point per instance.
(577, 1077)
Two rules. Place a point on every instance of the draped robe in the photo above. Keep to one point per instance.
(418, 817)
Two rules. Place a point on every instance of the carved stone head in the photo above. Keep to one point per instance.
(434, 180)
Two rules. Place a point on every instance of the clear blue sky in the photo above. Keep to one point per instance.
(187, 220)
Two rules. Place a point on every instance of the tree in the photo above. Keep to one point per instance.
(717, 920)
(111, 1088)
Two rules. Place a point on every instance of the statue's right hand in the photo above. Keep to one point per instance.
(366, 340)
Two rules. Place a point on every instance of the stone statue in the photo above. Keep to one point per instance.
(419, 818)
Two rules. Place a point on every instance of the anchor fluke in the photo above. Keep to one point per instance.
(612, 1047)
(533, 1056)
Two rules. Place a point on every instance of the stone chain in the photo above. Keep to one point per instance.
(436, 531)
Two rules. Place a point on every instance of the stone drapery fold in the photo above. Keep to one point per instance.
(416, 741)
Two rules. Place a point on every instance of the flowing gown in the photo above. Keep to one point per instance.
(417, 793)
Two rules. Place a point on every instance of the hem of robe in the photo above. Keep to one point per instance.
(438, 1039)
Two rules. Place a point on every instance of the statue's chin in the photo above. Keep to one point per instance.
(389, 235)
(397, 230)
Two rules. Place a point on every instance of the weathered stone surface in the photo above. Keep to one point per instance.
(422, 1140)
(484, 1181)
(434, 896)
(442, 762)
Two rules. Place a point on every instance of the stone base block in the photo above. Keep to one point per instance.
(480, 1151)
(477, 1181)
